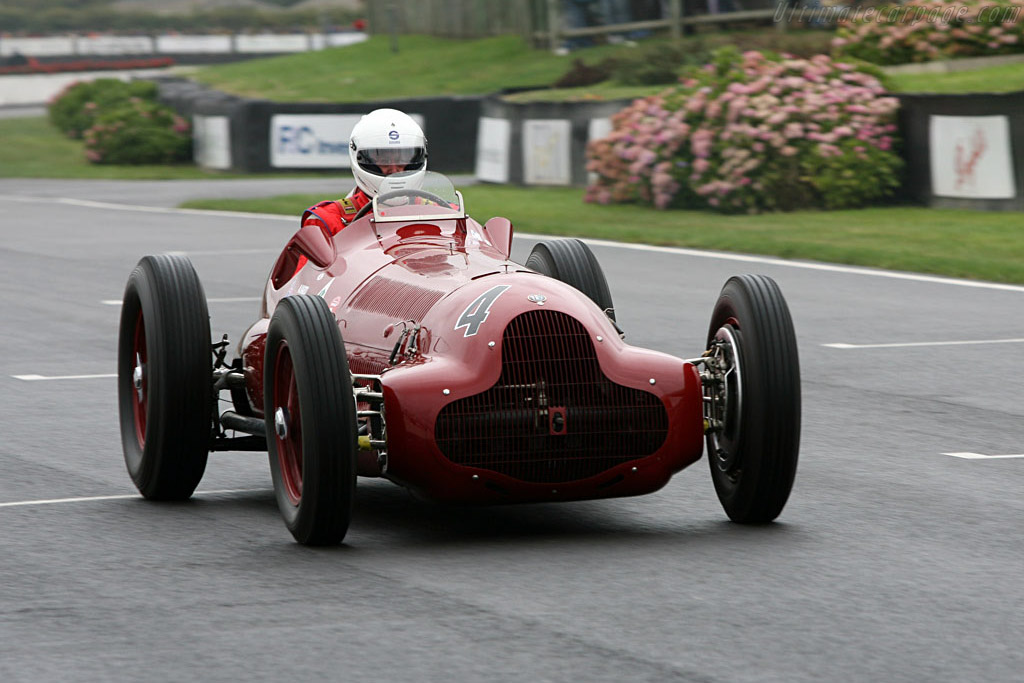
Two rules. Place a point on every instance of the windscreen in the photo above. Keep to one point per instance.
(406, 195)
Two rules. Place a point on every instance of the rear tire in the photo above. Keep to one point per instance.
(311, 420)
(754, 456)
(572, 262)
(165, 378)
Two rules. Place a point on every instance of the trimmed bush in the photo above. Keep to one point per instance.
(657, 66)
(121, 122)
(77, 107)
(138, 132)
(753, 132)
(926, 30)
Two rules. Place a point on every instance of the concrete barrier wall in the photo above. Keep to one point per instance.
(258, 135)
(529, 144)
(961, 151)
(539, 143)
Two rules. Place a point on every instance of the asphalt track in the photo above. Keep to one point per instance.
(892, 562)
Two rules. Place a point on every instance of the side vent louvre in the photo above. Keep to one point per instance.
(396, 300)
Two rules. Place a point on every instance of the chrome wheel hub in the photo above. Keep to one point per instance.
(723, 396)
(137, 376)
(281, 423)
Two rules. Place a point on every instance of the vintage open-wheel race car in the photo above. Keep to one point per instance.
(408, 346)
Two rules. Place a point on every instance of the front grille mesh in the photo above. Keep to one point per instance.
(550, 377)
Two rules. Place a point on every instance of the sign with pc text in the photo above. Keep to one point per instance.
(313, 140)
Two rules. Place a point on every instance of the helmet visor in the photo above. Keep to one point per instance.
(384, 161)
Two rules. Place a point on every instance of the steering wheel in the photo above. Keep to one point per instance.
(397, 193)
(415, 193)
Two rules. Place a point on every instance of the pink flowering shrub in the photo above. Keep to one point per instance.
(139, 132)
(76, 107)
(752, 133)
(926, 30)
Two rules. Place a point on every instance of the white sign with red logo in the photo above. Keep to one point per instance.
(971, 157)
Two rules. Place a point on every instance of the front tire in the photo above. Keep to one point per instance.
(753, 452)
(164, 378)
(311, 420)
(572, 262)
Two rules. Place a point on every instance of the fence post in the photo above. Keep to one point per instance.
(393, 21)
(554, 23)
(677, 14)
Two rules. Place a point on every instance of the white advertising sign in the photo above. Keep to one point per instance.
(492, 145)
(546, 152)
(971, 157)
(211, 141)
(174, 44)
(313, 140)
(598, 128)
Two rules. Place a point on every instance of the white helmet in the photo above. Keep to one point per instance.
(387, 141)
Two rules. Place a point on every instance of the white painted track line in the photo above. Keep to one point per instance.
(840, 345)
(41, 378)
(111, 206)
(215, 300)
(807, 265)
(979, 456)
(91, 499)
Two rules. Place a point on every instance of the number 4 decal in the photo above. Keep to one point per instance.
(476, 313)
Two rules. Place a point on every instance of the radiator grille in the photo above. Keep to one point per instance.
(552, 416)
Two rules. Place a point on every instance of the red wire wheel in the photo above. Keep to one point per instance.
(288, 424)
(165, 378)
(139, 381)
(311, 420)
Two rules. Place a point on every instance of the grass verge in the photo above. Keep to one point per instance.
(32, 148)
(984, 246)
(1002, 78)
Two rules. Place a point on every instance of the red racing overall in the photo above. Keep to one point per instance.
(333, 214)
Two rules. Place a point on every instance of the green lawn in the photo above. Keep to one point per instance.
(1003, 78)
(986, 246)
(425, 66)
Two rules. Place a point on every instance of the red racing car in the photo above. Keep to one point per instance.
(408, 346)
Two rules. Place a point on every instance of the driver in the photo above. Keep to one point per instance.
(384, 142)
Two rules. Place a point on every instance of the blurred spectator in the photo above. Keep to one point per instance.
(578, 14)
(617, 11)
(648, 10)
